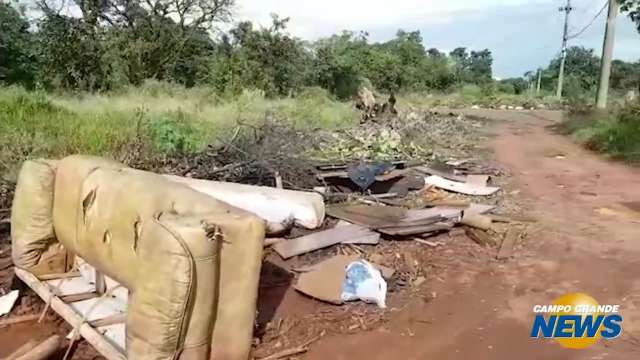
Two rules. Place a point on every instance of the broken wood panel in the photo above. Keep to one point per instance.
(415, 230)
(79, 297)
(460, 187)
(480, 180)
(445, 212)
(419, 222)
(366, 215)
(319, 240)
(510, 239)
(479, 237)
(443, 174)
(371, 239)
(109, 320)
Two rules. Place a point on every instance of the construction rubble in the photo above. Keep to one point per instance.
(174, 265)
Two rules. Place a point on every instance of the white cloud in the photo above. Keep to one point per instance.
(523, 34)
(313, 19)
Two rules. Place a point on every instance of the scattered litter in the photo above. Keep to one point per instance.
(459, 187)
(322, 239)
(7, 301)
(442, 174)
(364, 282)
(368, 215)
(335, 280)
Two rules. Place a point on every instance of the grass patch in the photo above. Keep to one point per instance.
(470, 95)
(616, 133)
(165, 118)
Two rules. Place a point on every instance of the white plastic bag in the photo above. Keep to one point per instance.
(364, 282)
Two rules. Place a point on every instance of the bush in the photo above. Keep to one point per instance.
(616, 134)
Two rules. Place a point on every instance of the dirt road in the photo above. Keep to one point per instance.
(586, 240)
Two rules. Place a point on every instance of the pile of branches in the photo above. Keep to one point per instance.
(255, 155)
(418, 136)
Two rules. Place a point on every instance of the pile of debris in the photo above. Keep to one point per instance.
(371, 202)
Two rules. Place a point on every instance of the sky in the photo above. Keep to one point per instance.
(522, 34)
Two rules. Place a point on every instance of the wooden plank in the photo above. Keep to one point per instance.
(446, 212)
(393, 174)
(419, 222)
(102, 345)
(79, 297)
(416, 230)
(109, 320)
(319, 240)
(442, 174)
(480, 180)
(371, 239)
(67, 275)
(460, 187)
(510, 239)
(479, 237)
(332, 174)
(368, 215)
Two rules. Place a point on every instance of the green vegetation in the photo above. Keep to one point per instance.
(582, 70)
(616, 133)
(153, 118)
(113, 44)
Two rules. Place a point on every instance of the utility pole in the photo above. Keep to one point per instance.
(607, 55)
(565, 36)
(539, 81)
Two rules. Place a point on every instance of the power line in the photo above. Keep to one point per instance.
(606, 4)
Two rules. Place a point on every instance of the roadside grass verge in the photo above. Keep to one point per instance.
(470, 95)
(164, 118)
(616, 133)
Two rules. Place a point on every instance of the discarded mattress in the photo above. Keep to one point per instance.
(190, 263)
(276, 206)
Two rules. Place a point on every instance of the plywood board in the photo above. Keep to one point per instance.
(319, 240)
(460, 187)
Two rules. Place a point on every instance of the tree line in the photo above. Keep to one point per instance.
(582, 71)
(102, 45)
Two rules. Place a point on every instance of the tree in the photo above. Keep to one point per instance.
(632, 7)
(480, 64)
(17, 58)
(267, 59)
